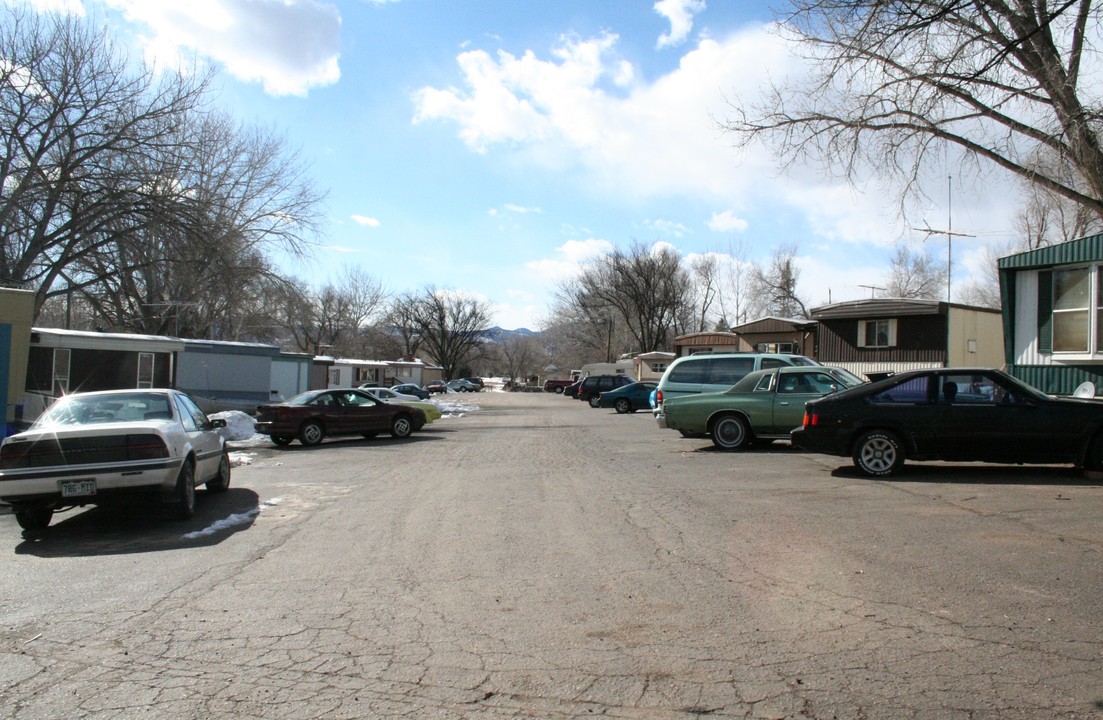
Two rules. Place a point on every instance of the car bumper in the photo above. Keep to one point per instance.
(816, 441)
(85, 484)
(274, 428)
(660, 419)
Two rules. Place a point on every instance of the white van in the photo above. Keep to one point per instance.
(716, 372)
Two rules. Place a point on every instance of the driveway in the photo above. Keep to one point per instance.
(536, 558)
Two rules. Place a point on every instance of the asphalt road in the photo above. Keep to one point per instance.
(539, 559)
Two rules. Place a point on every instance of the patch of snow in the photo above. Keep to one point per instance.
(239, 425)
(237, 459)
(453, 408)
(233, 520)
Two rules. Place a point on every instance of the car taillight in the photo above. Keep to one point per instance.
(146, 447)
(811, 419)
(14, 455)
(658, 398)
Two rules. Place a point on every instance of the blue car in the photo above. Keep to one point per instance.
(628, 398)
(411, 389)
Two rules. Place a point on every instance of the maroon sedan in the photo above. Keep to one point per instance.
(313, 415)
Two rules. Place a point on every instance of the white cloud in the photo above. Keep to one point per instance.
(727, 221)
(582, 250)
(680, 14)
(668, 227)
(523, 99)
(636, 141)
(521, 210)
(289, 46)
(365, 221)
(661, 139)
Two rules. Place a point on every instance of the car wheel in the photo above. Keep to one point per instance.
(311, 433)
(559, 391)
(401, 427)
(282, 439)
(594, 401)
(185, 492)
(623, 405)
(221, 483)
(33, 518)
(878, 453)
(730, 432)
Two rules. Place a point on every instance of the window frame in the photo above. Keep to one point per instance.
(890, 333)
(61, 371)
(1092, 312)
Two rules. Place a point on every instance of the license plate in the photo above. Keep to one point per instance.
(78, 488)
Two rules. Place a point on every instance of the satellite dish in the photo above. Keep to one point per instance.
(1086, 390)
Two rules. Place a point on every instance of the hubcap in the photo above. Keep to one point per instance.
(878, 454)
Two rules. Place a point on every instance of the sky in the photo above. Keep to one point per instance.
(491, 146)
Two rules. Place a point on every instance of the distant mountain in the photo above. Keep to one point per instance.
(497, 334)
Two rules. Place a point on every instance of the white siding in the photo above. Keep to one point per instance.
(1026, 321)
(289, 378)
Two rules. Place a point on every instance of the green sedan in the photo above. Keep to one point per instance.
(764, 405)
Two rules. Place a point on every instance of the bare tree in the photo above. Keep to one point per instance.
(985, 290)
(706, 274)
(521, 355)
(76, 119)
(645, 291)
(402, 318)
(735, 300)
(914, 275)
(451, 325)
(895, 82)
(775, 284)
(1047, 218)
(334, 317)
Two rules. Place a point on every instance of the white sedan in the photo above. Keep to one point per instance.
(89, 448)
(386, 395)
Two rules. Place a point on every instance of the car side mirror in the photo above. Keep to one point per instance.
(218, 423)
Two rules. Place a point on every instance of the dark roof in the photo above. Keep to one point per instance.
(889, 308)
(774, 324)
(1086, 249)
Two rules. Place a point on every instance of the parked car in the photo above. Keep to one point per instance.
(571, 390)
(764, 405)
(476, 381)
(557, 386)
(92, 448)
(411, 389)
(594, 385)
(717, 372)
(436, 386)
(313, 415)
(462, 385)
(387, 394)
(628, 398)
(956, 414)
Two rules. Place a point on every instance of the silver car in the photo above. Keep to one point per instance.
(90, 448)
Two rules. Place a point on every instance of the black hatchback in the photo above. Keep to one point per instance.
(957, 414)
(594, 385)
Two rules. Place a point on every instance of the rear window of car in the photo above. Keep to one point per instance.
(910, 391)
(728, 371)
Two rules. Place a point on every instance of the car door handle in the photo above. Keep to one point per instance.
(783, 402)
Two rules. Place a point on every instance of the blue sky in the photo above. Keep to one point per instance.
(490, 146)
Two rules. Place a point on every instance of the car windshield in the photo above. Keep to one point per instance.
(303, 398)
(117, 407)
(849, 379)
